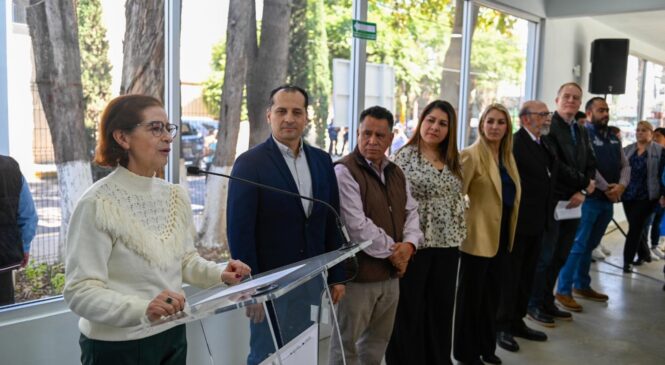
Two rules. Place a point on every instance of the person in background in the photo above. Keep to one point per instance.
(130, 244)
(423, 325)
(332, 136)
(399, 138)
(345, 139)
(656, 218)
(643, 192)
(492, 184)
(18, 224)
(581, 118)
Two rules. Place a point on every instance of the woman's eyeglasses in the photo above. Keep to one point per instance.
(158, 128)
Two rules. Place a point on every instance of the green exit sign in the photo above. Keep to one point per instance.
(364, 30)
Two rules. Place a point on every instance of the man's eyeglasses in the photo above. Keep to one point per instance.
(158, 128)
(541, 114)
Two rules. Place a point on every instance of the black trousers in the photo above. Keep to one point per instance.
(422, 333)
(655, 225)
(165, 348)
(6, 288)
(637, 213)
(477, 300)
(517, 272)
(563, 237)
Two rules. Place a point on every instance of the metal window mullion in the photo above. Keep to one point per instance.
(4, 107)
(642, 84)
(172, 14)
(357, 74)
(532, 59)
(465, 65)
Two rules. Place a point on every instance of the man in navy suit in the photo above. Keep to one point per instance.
(267, 229)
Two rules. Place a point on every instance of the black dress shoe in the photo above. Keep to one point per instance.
(638, 262)
(539, 316)
(557, 313)
(627, 269)
(491, 359)
(530, 334)
(506, 341)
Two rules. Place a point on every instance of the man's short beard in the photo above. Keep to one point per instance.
(544, 129)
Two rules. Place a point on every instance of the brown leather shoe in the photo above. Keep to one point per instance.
(568, 302)
(590, 294)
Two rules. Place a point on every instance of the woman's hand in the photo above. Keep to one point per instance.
(234, 272)
(165, 304)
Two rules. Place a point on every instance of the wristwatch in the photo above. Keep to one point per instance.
(584, 192)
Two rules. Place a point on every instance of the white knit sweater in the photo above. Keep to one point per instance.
(130, 237)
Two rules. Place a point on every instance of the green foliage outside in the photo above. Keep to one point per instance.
(412, 36)
(37, 281)
(212, 87)
(309, 64)
(95, 64)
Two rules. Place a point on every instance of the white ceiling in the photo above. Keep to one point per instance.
(648, 26)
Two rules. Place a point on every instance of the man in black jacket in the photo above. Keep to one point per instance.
(535, 162)
(576, 167)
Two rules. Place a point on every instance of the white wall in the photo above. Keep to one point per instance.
(19, 98)
(47, 333)
(567, 43)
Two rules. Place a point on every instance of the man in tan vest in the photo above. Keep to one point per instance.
(377, 206)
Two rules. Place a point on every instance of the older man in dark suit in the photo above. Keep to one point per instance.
(267, 229)
(535, 163)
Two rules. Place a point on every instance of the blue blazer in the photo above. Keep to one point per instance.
(267, 229)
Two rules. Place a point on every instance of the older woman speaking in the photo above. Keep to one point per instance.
(130, 244)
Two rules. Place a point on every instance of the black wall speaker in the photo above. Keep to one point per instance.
(609, 61)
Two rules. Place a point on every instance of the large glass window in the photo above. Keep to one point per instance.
(624, 108)
(498, 72)
(654, 94)
(420, 42)
(38, 112)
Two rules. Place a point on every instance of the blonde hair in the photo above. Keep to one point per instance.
(506, 146)
(645, 124)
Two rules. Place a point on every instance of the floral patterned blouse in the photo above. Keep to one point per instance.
(441, 205)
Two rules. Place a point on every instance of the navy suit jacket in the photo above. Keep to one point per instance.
(268, 229)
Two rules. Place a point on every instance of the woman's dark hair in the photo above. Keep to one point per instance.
(448, 147)
(122, 113)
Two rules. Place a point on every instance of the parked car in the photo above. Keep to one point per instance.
(197, 134)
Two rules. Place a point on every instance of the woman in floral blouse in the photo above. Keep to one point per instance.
(430, 160)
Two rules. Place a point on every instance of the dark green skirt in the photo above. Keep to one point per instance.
(166, 348)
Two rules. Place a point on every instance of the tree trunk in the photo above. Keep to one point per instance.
(452, 63)
(238, 34)
(267, 65)
(143, 49)
(54, 36)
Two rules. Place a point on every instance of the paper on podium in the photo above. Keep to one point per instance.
(255, 283)
(304, 349)
(562, 213)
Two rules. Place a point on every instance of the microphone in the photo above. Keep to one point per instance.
(194, 170)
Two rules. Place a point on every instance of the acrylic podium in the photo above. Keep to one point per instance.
(289, 306)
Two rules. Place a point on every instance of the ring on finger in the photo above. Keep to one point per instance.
(169, 300)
